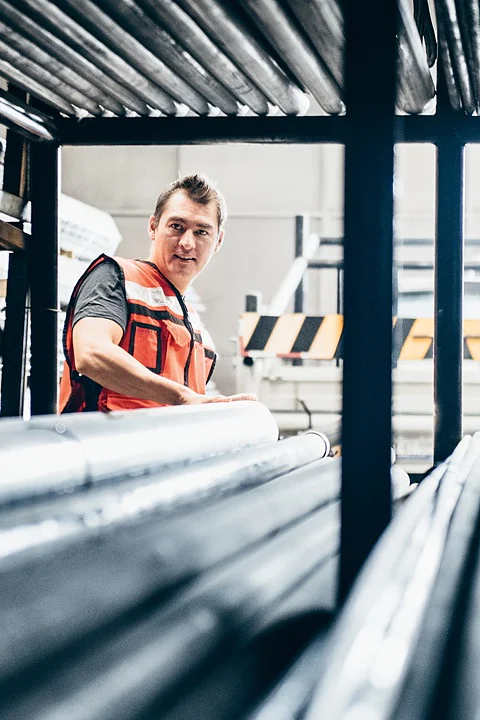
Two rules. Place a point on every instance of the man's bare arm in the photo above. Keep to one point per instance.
(99, 357)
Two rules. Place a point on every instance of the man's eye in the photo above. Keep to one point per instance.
(176, 226)
(202, 232)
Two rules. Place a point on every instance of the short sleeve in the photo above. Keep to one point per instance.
(102, 295)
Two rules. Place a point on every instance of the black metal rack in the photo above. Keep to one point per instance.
(369, 131)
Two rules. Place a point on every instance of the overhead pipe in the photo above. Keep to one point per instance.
(29, 84)
(56, 68)
(270, 17)
(449, 26)
(191, 36)
(122, 445)
(25, 119)
(415, 83)
(76, 61)
(140, 89)
(234, 38)
(150, 48)
(323, 23)
(43, 76)
(469, 16)
(67, 514)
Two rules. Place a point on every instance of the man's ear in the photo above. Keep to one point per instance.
(221, 235)
(152, 226)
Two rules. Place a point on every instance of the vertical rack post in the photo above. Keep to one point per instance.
(43, 268)
(370, 72)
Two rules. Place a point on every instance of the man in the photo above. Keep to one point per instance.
(130, 338)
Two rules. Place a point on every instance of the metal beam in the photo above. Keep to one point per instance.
(11, 237)
(43, 252)
(205, 131)
(368, 260)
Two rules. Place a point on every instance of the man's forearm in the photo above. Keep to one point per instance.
(113, 368)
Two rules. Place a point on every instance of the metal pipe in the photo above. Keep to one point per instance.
(448, 332)
(45, 77)
(42, 262)
(448, 24)
(233, 37)
(390, 600)
(21, 116)
(302, 61)
(76, 61)
(246, 587)
(186, 32)
(65, 515)
(293, 277)
(323, 23)
(136, 85)
(415, 84)
(49, 64)
(152, 557)
(29, 84)
(368, 279)
(163, 51)
(109, 450)
(472, 30)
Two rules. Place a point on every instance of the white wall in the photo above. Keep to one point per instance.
(265, 187)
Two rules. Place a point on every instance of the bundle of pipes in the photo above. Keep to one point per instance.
(142, 57)
(128, 607)
(459, 42)
(404, 627)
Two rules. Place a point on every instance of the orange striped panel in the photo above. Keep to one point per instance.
(327, 338)
(418, 341)
(284, 333)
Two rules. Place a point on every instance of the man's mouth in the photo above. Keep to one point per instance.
(184, 258)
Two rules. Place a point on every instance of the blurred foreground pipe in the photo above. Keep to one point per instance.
(449, 26)
(122, 444)
(390, 598)
(127, 566)
(141, 666)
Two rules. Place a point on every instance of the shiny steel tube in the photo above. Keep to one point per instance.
(234, 39)
(449, 25)
(138, 90)
(389, 601)
(16, 76)
(165, 492)
(109, 87)
(162, 51)
(122, 445)
(56, 68)
(180, 25)
(25, 119)
(43, 76)
(229, 542)
(293, 49)
(322, 21)
(449, 75)
(415, 84)
(470, 19)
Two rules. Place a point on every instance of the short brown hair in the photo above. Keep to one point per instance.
(199, 189)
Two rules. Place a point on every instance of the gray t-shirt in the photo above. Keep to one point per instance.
(102, 296)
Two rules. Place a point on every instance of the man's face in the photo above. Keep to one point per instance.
(185, 239)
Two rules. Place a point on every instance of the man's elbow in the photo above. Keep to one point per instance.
(88, 360)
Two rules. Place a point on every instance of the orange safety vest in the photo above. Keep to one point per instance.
(163, 332)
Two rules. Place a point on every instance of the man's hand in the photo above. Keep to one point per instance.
(192, 398)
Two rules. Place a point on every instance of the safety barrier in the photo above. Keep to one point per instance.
(294, 335)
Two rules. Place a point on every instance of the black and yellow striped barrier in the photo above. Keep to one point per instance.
(294, 335)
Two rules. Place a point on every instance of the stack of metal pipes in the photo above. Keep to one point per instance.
(406, 643)
(157, 561)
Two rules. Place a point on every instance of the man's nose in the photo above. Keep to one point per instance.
(187, 240)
